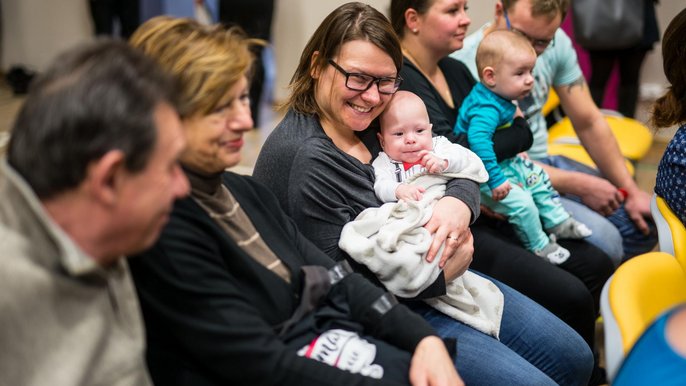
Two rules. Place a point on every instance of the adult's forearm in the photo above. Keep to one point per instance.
(604, 150)
(466, 191)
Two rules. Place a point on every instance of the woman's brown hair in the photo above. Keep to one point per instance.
(349, 22)
(670, 109)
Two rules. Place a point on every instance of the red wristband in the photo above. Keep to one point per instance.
(623, 192)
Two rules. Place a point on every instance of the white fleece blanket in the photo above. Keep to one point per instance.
(392, 242)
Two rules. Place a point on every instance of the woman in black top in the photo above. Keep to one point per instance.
(571, 290)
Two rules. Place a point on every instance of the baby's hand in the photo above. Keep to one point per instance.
(432, 163)
(523, 155)
(409, 192)
(501, 191)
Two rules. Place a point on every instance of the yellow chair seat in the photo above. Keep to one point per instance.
(579, 154)
(633, 137)
(551, 103)
(639, 291)
(671, 232)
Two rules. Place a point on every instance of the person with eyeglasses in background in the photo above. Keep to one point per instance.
(606, 199)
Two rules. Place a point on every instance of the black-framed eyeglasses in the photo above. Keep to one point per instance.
(362, 82)
(538, 44)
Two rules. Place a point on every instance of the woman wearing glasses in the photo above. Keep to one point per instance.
(318, 162)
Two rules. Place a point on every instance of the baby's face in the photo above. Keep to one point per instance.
(406, 133)
(514, 75)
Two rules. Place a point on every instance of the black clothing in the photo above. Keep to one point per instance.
(255, 18)
(629, 60)
(211, 311)
(105, 12)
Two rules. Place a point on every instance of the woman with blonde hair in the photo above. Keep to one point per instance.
(232, 293)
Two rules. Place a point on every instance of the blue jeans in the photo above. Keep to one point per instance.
(605, 235)
(535, 347)
(633, 241)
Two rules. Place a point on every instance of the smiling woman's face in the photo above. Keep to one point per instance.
(443, 27)
(214, 141)
(345, 109)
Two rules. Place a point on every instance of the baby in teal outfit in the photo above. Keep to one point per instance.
(517, 188)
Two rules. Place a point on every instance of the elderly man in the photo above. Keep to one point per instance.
(90, 175)
(607, 200)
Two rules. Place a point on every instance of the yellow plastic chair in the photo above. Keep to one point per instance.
(579, 154)
(671, 232)
(633, 137)
(637, 293)
(551, 103)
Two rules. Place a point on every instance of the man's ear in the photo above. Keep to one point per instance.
(499, 7)
(104, 177)
(314, 67)
(488, 76)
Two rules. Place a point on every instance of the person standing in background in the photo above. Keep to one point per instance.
(255, 18)
(105, 12)
(628, 59)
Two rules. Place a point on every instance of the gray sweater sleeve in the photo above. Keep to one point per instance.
(468, 192)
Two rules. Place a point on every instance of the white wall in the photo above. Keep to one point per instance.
(34, 31)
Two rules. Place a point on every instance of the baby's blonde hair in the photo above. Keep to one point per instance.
(498, 44)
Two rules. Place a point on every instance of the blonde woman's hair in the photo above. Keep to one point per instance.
(207, 60)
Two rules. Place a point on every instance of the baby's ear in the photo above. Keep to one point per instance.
(380, 137)
(488, 76)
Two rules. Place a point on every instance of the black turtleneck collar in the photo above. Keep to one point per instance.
(203, 182)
